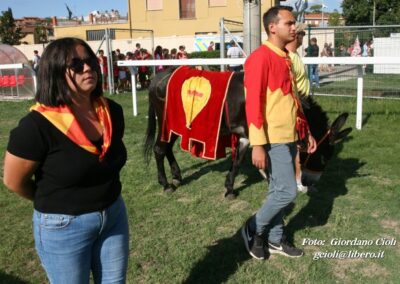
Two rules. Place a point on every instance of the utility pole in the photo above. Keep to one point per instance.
(251, 25)
(322, 15)
(373, 13)
(130, 18)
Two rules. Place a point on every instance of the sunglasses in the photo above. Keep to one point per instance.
(77, 64)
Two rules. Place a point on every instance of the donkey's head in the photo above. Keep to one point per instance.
(326, 137)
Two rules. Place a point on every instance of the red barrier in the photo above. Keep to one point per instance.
(21, 79)
(13, 81)
(6, 81)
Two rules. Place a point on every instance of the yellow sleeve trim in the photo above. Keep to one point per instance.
(257, 135)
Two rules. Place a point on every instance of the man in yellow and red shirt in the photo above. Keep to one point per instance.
(272, 110)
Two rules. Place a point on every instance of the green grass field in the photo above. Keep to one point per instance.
(375, 85)
(192, 236)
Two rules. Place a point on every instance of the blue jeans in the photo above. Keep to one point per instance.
(70, 246)
(314, 76)
(281, 192)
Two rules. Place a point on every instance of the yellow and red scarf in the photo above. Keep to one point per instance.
(64, 120)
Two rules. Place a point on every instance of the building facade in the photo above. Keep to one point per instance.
(36, 30)
(166, 18)
(193, 23)
(187, 17)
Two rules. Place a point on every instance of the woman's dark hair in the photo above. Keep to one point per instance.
(271, 16)
(53, 89)
(158, 51)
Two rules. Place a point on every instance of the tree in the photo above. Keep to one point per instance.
(334, 18)
(9, 32)
(387, 12)
(316, 8)
(40, 33)
(360, 12)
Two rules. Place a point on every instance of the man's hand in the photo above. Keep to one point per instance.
(259, 157)
(311, 145)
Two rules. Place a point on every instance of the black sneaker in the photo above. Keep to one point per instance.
(254, 243)
(284, 249)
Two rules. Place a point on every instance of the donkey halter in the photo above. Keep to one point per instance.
(318, 144)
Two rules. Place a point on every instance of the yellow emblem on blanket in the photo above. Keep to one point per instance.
(195, 94)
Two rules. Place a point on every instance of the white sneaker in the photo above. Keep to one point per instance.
(301, 188)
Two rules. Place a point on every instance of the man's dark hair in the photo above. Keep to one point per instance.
(53, 89)
(271, 16)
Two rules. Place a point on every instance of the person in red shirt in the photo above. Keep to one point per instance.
(182, 54)
(211, 46)
(104, 69)
(173, 54)
(158, 54)
(143, 71)
(272, 111)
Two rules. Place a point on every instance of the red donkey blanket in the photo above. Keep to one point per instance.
(193, 110)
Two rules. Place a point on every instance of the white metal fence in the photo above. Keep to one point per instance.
(358, 61)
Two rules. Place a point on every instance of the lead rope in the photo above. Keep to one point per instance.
(300, 116)
(319, 143)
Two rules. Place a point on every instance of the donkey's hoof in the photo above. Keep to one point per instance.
(230, 195)
(176, 183)
(169, 190)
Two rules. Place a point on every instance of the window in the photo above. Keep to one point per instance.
(187, 9)
(217, 3)
(153, 5)
(98, 34)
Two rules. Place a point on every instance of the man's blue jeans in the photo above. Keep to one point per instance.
(70, 246)
(281, 192)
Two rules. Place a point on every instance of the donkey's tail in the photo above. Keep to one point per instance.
(150, 133)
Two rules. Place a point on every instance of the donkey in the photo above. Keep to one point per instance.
(312, 165)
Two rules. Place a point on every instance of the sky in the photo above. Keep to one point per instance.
(330, 4)
(49, 8)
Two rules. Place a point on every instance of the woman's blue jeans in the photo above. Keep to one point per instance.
(70, 246)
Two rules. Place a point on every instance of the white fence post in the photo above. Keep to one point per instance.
(134, 96)
(360, 85)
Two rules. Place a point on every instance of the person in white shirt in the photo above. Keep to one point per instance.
(234, 52)
(35, 61)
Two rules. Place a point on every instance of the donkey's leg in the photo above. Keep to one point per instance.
(175, 170)
(159, 153)
(241, 149)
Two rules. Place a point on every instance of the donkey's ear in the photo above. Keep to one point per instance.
(339, 122)
(336, 138)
